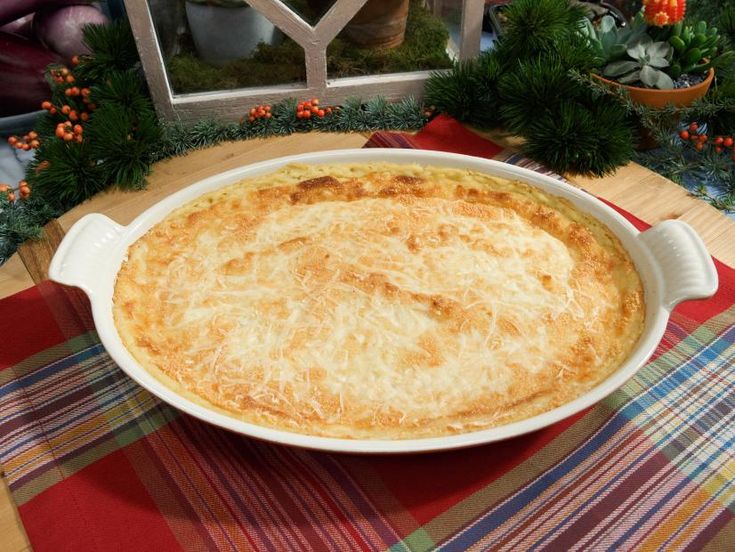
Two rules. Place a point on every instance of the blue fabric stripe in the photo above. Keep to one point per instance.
(713, 352)
(17, 385)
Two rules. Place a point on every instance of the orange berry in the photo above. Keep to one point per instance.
(268, 115)
(64, 71)
(65, 109)
(703, 137)
(315, 101)
(68, 137)
(46, 105)
(35, 143)
(33, 135)
(67, 92)
(92, 106)
(73, 116)
(13, 140)
(84, 116)
(252, 111)
(11, 196)
(85, 92)
(70, 79)
(699, 146)
(60, 131)
(4, 187)
(251, 119)
(52, 111)
(320, 113)
(268, 108)
(78, 129)
(25, 147)
(78, 138)
(75, 60)
(25, 191)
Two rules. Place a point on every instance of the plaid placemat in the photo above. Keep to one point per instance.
(96, 463)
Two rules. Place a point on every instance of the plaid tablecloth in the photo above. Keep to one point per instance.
(94, 462)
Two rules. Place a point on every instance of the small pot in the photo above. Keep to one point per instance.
(653, 97)
(223, 34)
(378, 24)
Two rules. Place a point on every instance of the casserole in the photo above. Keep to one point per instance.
(670, 259)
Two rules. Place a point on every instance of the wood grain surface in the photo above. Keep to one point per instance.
(634, 188)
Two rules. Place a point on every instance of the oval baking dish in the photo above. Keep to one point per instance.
(671, 259)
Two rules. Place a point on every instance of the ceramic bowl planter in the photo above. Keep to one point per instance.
(224, 31)
(653, 97)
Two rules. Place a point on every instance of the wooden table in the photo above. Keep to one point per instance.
(634, 188)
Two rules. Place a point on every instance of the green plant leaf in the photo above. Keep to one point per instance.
(658, 50)
(617, 68)
(658, 62)
(637, 51)
(607, 24)
(635, 76)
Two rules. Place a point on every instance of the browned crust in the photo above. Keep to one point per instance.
(152, 320)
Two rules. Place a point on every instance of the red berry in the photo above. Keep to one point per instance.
(699, 146)
(693, 127)
(718, 140)
(727, 142)
(320, 113)
(684, 134)
(703, 137)
(718, 149)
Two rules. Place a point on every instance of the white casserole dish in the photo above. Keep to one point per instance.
(671, 259)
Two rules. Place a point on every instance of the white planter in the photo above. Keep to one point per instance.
(224, 34)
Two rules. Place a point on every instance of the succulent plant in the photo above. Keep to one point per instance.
(695, 46)
(647, 59)
(609, 41)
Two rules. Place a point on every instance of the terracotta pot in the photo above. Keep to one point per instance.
(378, 24)
(653, 97)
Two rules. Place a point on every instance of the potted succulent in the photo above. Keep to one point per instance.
(656, 57)
(226, 30)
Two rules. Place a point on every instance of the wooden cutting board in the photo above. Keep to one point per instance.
(634, 188)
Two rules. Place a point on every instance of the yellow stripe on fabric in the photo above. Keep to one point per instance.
(58, 446)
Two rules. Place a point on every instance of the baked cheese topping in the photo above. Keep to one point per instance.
(379, 301)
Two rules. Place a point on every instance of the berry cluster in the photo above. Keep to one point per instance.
(26, 142)
(74, 114)
(259, 112)
(23, 189)
(68, 132)
(695, 134)
(310, 108)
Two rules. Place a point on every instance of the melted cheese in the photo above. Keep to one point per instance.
(379, 301)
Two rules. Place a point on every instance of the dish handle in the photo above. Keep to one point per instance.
(686, 267)
(84, 253)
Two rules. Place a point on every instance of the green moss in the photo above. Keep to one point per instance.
(424, 48)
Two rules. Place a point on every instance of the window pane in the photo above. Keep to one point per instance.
(389, 36)
(221, 47)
